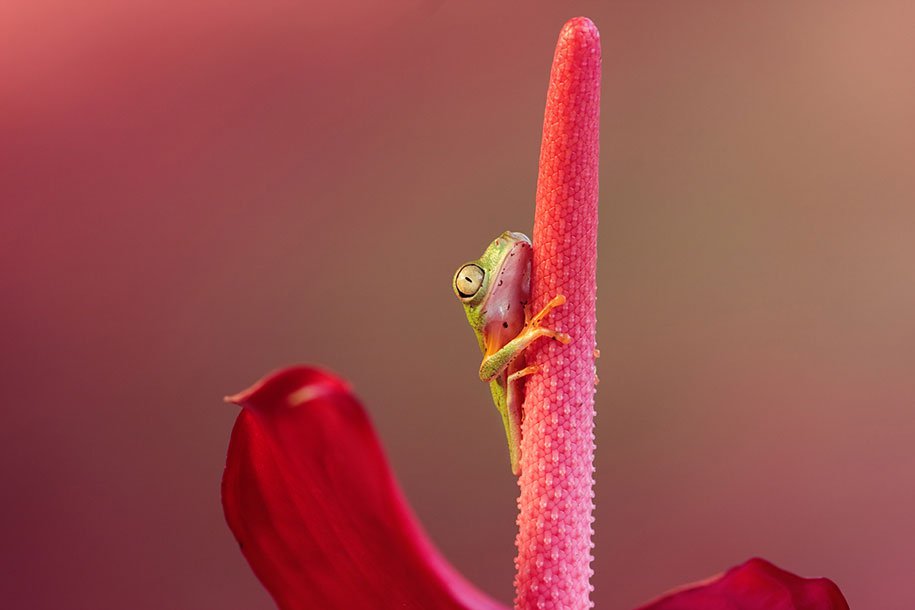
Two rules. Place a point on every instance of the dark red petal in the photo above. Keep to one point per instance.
(755, 585)
(309, 495)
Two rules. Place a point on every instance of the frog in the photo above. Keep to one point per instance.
(495, 291)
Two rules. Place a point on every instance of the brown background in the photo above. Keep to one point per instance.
(194, 194)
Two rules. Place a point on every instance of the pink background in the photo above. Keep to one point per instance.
(195, 194)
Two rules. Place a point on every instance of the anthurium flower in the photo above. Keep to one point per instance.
(316, 510)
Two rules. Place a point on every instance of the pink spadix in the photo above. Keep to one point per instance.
(557, 446)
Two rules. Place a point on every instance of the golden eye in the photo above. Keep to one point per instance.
(468, 280)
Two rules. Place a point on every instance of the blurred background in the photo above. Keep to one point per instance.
(194, 194)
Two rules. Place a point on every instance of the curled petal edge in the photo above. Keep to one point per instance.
(308, 494)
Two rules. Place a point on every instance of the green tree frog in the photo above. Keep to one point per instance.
(495, 290)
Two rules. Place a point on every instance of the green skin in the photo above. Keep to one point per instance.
(495, 290)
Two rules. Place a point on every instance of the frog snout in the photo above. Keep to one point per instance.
(516, 236)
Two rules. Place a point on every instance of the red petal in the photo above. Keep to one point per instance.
(755, 585)
(309, 495)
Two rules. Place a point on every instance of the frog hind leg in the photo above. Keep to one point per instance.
(505, 402)
(512, 415)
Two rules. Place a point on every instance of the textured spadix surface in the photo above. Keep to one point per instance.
(557, 447)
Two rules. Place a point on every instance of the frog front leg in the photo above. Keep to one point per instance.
(496, 362)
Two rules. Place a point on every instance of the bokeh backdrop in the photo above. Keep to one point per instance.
(196, 193)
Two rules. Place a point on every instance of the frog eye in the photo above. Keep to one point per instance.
(467, 280)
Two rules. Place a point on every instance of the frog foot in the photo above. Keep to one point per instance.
(532, 324)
